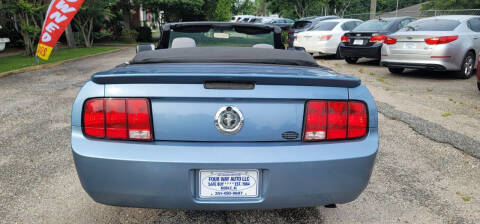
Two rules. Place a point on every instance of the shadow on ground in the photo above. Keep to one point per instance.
(297, 215)
(425, 74)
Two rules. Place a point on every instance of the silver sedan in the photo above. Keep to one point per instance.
(442, 43)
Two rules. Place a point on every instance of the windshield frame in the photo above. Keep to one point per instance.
(198, 27)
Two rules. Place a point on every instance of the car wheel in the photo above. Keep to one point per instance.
(396, 70)
(338, 55)
(351, 60)
(478, 85)
(468, 66)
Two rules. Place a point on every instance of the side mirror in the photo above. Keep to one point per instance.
(145, 47)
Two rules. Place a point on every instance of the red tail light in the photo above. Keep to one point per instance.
(344, 39)
(118, 118)
(390, 40)
(94, 118)
(357, 119)
(335, 120)
(378, 38)
(325, 37)
(441, 40)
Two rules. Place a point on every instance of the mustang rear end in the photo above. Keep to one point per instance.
(227, 132)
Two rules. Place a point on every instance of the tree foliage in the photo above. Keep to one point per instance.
(176, 10)
(223, 10)
(28, 16)
(92, 12)
(296, 8)
(304, 8)
(451, 4)
(243, 7)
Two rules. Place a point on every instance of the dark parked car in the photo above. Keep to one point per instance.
(280, 22)
(304, 24)
(366, 40)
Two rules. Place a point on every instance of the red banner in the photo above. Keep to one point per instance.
(60, 13)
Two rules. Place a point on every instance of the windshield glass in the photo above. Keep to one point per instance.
(301, 24)
(432, 25)
(373, 25)
(325, 26)
(228, 37)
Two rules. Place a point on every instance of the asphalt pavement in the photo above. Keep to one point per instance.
(426, 169)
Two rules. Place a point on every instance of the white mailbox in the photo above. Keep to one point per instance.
(3, 41)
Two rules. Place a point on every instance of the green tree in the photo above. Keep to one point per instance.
(243, 7)
(451, 4)
(176, 10)
(223, 10)
(92, 12)
(297, 8)
(29, 16)
(209, 8)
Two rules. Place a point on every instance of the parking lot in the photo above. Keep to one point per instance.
(427, 168)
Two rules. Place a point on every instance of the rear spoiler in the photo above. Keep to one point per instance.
(330, 79)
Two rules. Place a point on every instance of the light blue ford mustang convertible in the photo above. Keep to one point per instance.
(220, 118)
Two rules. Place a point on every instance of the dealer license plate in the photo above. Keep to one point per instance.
(358, 42)
(228, 183)
(410, 45)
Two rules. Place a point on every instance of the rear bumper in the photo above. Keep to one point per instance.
(164, 174)
(360, 51)
(432, 67)
(445, 58)
(320, 47)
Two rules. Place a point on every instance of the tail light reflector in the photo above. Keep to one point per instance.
(441, 40)
(344, 39)
(118, 118)
(335, 120)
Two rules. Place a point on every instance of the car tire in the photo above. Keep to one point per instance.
(338, 55)
(478, 85)
(468, 67)
(396, 70)
(351, 60)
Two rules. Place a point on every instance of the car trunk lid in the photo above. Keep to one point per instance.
(414, 42)
(361, 38)
(268, 97)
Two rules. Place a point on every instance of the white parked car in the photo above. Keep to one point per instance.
(242, 18)
(442, 43)
(325, 36)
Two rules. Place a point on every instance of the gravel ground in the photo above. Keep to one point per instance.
(422, 174)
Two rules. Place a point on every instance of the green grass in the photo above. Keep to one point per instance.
(20, 61)
(447, 114)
